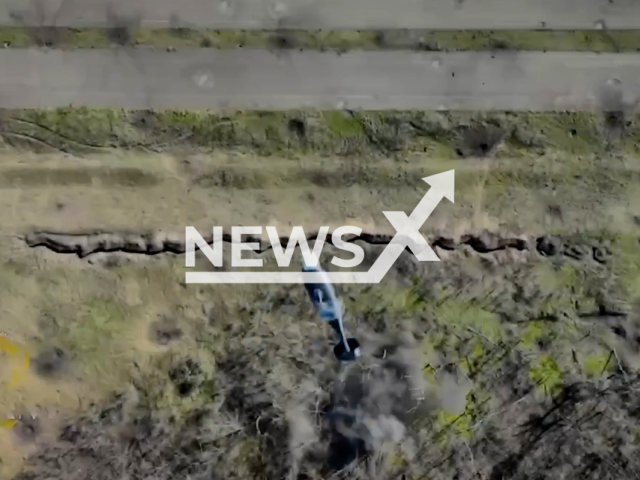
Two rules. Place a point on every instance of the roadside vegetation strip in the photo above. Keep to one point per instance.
(289, 133)
(337, 40)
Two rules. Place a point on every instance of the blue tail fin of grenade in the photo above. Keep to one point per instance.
(331, 309)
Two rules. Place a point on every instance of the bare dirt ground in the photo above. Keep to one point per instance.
(513, 358)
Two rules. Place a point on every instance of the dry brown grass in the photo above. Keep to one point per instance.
(263, 347)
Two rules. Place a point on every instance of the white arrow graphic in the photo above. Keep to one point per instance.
(407, 228)
(407, 235)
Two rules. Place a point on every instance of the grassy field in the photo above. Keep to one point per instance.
(331, 40)
(326, 133)
(482, 364)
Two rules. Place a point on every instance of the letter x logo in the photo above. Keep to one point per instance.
(407, 227)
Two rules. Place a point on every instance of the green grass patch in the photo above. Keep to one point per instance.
(471, 318)
(547, 375)
(534, 332)
(101, 331)
(596, 365)
(451, 426)
(627, 265)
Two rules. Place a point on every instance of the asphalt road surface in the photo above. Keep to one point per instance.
(327, 14)
(147, 78)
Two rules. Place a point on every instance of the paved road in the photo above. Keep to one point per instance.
(144, 78)
(329, 14)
